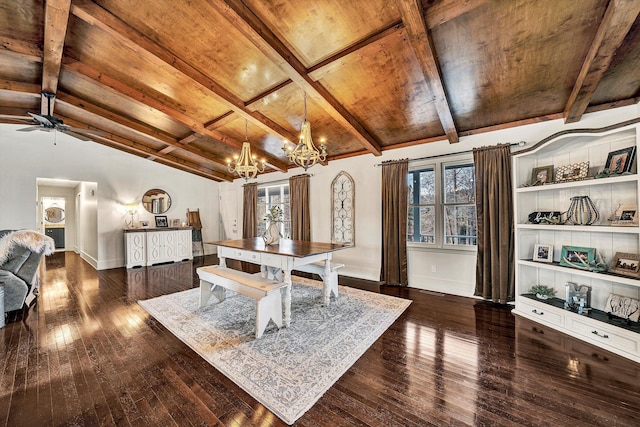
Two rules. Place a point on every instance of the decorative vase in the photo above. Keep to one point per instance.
(582, 211)
(271, 235)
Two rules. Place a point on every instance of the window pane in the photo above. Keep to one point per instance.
(460, 225)
(427, 187)
(421, 223)
(422, 187)
(459, 184)
(272, 196)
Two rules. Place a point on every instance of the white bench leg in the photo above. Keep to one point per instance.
(207, 289)
(329, 285)
(287, 297)
(268, 308)
(332, 285)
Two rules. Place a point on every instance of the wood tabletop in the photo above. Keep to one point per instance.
(296, 248)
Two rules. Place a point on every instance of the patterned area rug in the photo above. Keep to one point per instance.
(286, 370)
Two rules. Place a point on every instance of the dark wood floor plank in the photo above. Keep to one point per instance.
(88, 354)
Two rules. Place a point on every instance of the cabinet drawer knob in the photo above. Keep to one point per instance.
(534, 311)
(599, 334)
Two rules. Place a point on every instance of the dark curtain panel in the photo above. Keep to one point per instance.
(250, 221)
(300, 216)
(495, 268)
(393, 270)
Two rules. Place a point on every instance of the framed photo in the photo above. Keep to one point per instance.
(626, 264)
(543, 253)
(621, 306)
(572, 172)
(626, 215)
(542, 175)
(620, 161)
(161, 221)
(577, 257)
(175, 222)
(144, 224)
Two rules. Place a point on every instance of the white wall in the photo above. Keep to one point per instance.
(119, 179)
(455, 270)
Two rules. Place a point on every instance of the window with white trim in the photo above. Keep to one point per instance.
(269, 196)
(442, 210)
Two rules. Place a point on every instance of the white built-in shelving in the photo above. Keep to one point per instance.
(607, 194)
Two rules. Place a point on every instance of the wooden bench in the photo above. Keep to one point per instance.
(215, 279)
(330, 283)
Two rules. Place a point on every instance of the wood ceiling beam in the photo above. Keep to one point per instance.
(56, 20)
(447, 10)
(151, 101)
(323, 67)
(110, 139)
(20, 49)
(615, 25)
(143, 130)
(24, 88)
(216, 123)
(413, 18)
(96, 16)
(244, 20)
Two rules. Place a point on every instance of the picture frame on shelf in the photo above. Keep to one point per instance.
(542, 175)
(161, 221)
(175, 222)
(626, 264)
(144, 224)
(621, 161)
(624, 307)
(577, 257)
(572, 172)
(543, 253)
(625, 216)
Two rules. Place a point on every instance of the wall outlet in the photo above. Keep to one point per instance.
(433, 268)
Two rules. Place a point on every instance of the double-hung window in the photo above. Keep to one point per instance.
(274, 195)
(442, 210)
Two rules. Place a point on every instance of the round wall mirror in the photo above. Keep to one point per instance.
(156, 201)
(54, 215)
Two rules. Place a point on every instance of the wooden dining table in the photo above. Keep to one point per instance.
(284, 256)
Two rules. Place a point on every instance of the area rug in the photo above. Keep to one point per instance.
(288, 369)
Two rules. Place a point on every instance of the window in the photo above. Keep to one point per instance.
(442, 210)
(460, 224)
(269, 196)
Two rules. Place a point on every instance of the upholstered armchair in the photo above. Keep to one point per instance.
(20, 254)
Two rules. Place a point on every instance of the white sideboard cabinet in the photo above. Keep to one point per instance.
(144, 247)
(594, 145)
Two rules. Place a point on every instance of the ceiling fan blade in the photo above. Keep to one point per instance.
(42, 120)
(32, 128)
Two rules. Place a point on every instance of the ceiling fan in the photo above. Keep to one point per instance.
(48, 123)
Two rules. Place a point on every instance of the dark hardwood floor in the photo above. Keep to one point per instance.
(88, 355)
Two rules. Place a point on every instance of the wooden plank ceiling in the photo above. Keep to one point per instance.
(175, 81)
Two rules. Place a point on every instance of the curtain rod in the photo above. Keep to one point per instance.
(519, 144)
(279, 181)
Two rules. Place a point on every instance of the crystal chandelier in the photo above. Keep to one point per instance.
(246, 165)
(305, 154)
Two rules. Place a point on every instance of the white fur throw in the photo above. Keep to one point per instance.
(32, 240)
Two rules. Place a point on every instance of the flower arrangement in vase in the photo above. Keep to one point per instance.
(273, 218)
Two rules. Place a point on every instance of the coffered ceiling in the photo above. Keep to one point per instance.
(174, 81)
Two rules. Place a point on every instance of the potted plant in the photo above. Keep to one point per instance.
(543, 292)
(273, 218)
